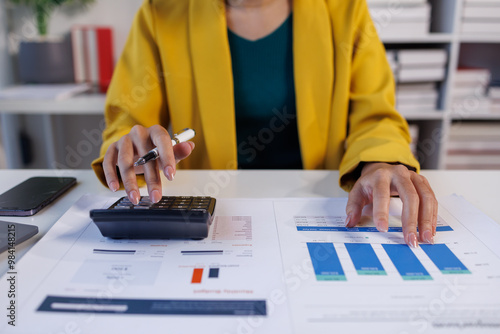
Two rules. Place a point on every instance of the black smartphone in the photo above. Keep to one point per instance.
(30, 196)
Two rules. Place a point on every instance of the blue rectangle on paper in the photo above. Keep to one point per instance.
(444, 259)
(325, 262)
(154, 306)
(213, 273)
(364, 259)
(405, 261)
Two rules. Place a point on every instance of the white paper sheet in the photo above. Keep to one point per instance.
(375, 296)
(73, 268)
(291, 255)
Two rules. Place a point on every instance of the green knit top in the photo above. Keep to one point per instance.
(264, 94)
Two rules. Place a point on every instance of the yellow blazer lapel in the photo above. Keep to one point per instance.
(213, 80)
(313, 66)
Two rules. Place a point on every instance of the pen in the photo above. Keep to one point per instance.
(180, 137)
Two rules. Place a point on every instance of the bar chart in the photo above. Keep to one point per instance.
(328, 265)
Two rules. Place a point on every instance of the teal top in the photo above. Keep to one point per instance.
(264, 95)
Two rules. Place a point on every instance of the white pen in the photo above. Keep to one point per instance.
(180, 137)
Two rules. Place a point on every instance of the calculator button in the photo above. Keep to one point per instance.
(141, 207)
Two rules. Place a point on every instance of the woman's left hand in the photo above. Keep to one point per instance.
(377, 183)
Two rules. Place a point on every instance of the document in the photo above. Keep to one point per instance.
(268, 266)
(76, 281)
(361, 280)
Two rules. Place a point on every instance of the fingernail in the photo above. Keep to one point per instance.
(155, 196)
(381, 227)
(428, 237)
(114, 186)
(192, 145)
(412, 240)
(169, 173)
(347, 221)
(134, 197)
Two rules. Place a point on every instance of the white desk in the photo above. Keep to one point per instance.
(480, 188)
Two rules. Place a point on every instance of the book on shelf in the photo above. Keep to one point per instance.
(467, 75)
(419, 57)
(56, 92)
(401, 19)
(416, 97)
(93, 55)
(473, 145)
(421, 74)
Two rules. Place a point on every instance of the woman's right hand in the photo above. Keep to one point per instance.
(122, 154)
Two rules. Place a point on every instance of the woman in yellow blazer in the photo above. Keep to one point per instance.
(176, 71)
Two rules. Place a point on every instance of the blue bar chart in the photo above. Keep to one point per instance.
(405, 261)
(325, 261)
(444, 259)
(329, 266)
(364, 259)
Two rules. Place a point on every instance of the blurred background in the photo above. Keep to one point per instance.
(56, 63)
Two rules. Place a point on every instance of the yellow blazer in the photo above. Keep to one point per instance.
(176, 70)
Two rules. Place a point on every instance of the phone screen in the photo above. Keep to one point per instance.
(30, 196)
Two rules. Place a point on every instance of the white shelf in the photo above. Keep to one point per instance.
(84, 104)
(424, 115)
(430, 38)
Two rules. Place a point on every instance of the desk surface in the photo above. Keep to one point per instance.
(480, 188)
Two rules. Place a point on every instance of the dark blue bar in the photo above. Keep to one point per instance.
(406, 262)
(213, 273)
(444, 259)
(155, 306)
(325, 262)
(360, 229)
(364, 259)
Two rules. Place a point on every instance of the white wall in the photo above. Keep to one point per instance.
(5, 65)
(118, 14)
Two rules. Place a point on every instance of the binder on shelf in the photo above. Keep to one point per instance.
(93, 55)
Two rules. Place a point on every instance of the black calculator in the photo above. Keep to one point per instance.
(173, 217)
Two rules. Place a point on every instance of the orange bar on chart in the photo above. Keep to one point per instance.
(197, 274)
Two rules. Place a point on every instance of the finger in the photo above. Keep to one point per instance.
(143, 144)
(109, 167)
(428, 202)
(126, 167)
(355, 204)
(409, 217)
(435, 207)
(161, 139)
(183, 150)
(381, 201)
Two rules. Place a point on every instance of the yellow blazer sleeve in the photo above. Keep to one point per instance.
(376, 131)
(136, 94)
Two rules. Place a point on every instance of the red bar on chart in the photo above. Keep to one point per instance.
(197, 274)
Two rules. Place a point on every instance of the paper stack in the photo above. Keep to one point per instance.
(401, 18)
(481, 17)
(422, 65)
(469, 91)
(416, 97)
(474, 146)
